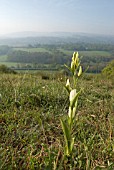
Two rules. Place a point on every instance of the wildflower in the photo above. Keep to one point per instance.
(67, 127)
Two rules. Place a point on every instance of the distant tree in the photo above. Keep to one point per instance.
(5, 69)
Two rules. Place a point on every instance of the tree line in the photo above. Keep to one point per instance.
(96, 63)
(57, 57)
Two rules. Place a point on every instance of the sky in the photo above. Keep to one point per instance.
(83, 16)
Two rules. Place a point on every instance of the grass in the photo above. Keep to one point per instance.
(30, 132)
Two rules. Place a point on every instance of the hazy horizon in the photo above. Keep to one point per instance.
(25, 34)
(48, 16)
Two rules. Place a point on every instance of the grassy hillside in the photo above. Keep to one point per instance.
(30, 132)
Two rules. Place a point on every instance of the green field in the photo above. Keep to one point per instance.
(67, 52)
(95, 53)
(3, 58)
(9, 64)
(32, 49)
(88, 53)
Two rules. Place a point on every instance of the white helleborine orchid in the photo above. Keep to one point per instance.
(67, 127)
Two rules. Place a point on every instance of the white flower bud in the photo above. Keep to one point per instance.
(77, 59)
(72, 65)
(74, 56)
(67, 83)
(80, 71)
(72, 95)
(77, 54)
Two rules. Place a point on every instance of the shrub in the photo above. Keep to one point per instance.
(5, 69)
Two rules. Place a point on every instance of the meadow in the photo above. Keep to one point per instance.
(31, 136)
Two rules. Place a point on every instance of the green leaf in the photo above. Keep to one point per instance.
(68, 90)
(67, 67)
(67, 135)
(71, 144)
